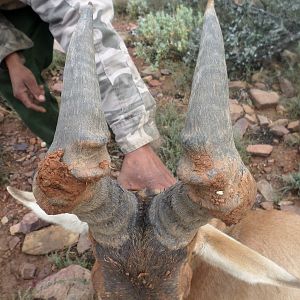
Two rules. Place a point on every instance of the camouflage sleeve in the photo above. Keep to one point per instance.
(11, 39)
(127, 103)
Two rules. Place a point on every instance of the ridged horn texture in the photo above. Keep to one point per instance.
(214, 180)
(211, 167)
(72, 175)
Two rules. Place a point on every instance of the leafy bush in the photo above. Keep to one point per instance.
(291, 183)
(136, 8)
(162, 35)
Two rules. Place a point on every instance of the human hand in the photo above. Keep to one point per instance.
(25, 87)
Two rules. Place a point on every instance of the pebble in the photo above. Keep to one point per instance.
(294, 126)
(4, 220)
(27, 270)
(279, 131)
(264, 99)
(260, 150)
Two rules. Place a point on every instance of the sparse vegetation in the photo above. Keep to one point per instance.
(241, 145)
(293, 107)
(291, 183)
(170, 122)
(23, 295)
(63, 259)
(58, 61)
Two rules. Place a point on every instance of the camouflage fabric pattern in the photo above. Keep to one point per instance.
(126, 101)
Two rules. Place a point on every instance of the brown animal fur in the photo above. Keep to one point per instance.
(273, 234)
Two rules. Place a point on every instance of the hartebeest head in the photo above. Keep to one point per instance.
(142, 245)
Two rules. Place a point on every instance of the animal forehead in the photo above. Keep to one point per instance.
(142, 267)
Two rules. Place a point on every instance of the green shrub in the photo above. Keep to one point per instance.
(291, 183)
(162, 35)
(170, 122)
(136, 8)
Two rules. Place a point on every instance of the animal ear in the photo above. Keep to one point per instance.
(222, 251)
(21, 196)
(68, 221)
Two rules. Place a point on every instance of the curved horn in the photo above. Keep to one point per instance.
(215, 180)
(71, 178)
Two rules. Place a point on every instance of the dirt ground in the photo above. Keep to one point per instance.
(21, 152)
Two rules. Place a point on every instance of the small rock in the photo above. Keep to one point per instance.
(286, 203)
(251, 118)
(84, 243)
(240, 127)
(236, 111)
(147, 79)
(31, 222)
(260, 86)
(165, 72)
(32, 141)
(20, 147)
(27, 270)
(48, 239)
(287, 87)
(263, 121)
(280, 109)
(292, 139)
(155, 83)
(279, 131)
(294, 126)
(275, 142)
(237, 84)
(260, 150)
(148, 71)
(266, 189)
(43, 144)
(15, 229)
(4, 220)
(267, 205)
(263, 99)
(57, 87)
(73, 282)
(279, 122)
(290, 56)
(268, 170)
(13, 242)
(248, 109)
(271, 161)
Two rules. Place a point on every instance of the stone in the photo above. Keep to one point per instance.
(260, 150)
(4, 220)
(71, 283)
(43, 144)
(266, 189)
(280, 109)
(279, 122)
(275, 141)
(286, 87)
(260, 86)
(271, 161)
(13, 242)
(57, 87)
(262, 120)
(154, 83)
(236, 111)
(20, 147)
(251, 118)
(292, 139)
(14, 229)
(240, 127)
(286, 203)
(147, 79)
(165, 72)
(84, 243)
(294, 126)
(267, 205)
(279, 131)
(27, 270)
(148, 71)
(31, 222)
(248, 109)
(237, 84)
(48, 239)
(264, 99)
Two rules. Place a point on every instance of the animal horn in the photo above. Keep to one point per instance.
(72, 178)
(214, 180)
(211, 167)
